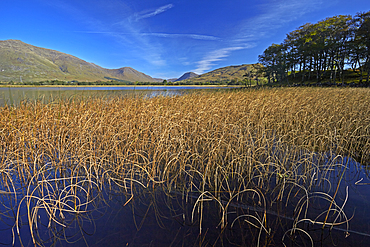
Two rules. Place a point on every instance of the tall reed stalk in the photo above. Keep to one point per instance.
(244, 146)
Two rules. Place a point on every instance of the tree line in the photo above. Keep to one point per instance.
(116, 83)
(331, 50)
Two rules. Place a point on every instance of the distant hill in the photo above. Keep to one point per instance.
(171, 79)
(186, 76)
(223, 75)
(23, 62)
(130, 74)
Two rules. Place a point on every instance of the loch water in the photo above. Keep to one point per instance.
(164, 216)
(14, 95)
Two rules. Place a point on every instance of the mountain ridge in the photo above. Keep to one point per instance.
(224, 75)
(20, 61)
(187, 75)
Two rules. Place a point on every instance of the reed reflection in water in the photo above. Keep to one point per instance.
(198, 169)
(15, 95)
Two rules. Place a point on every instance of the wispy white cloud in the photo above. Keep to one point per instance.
(176, 35)
(276, 14)
(217, 55)
(151, 52)
(125, 32)
(164, 35)
(150, 13)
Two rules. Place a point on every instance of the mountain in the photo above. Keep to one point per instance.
(171, 80)
(186, 76)
(224, 74)
(23, 62)
(130, 74)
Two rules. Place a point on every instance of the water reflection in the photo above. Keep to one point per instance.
(55, 192)
(13, 96)
(62, 207)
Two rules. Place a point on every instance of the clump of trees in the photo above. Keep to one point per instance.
(327, 50)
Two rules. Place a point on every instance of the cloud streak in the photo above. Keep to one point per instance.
(161, 35)
(145, 14)
(217, 55)
(124, 32)
(175, 35)
(277, 14)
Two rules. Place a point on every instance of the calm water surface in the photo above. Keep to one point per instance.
(158, 218)
(155, 217)
(14, 95)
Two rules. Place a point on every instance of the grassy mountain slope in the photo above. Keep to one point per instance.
(186, 76)
(224, 74)
(21, 61)
(131, 74)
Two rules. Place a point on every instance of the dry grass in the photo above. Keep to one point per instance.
(255, 147)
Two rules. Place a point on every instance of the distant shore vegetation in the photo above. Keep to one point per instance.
(118, 83)
(247, 81)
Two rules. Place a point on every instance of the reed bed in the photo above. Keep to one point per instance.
(257, 148)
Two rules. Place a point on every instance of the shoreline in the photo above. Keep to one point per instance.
(123, 86)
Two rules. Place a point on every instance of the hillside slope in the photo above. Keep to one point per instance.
(23, 62)
(223, 75)
(186, 76)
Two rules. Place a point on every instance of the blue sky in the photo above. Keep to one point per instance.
(164, 38)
